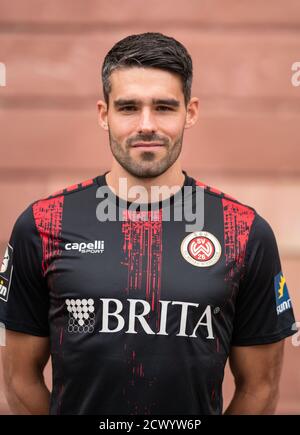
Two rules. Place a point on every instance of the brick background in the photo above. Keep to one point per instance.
(246, 142)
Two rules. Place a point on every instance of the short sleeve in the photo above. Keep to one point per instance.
(24, 299)
(264, 312)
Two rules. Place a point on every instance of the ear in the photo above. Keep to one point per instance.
(102, 114)
(192, 112)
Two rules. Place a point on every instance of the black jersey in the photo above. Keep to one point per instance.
(141, 314)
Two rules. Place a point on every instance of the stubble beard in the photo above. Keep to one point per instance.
(147, 166)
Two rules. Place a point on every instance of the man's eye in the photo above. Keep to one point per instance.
(127, 108)
(163, 108)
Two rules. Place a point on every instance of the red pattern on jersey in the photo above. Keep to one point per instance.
(87, 182)
(238, 220)
(200, 184)
(73, 187)
(142, 253)
(48, 220)
(142, 249)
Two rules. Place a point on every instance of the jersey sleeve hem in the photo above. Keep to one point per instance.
(265, 339)
(24, 327)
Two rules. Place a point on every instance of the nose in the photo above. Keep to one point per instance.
(147, 122)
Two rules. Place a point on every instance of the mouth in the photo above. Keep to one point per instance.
(147, 145)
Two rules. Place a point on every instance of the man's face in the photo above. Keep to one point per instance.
(146, 119)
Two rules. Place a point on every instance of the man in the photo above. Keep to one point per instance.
(138, 314)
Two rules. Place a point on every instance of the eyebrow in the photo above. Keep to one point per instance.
(162, 101)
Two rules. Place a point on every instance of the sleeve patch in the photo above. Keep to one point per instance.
(6, 273)
(283, 301)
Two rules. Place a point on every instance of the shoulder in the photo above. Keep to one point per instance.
(230, 204)
(54, 202)
(261, 229)
(49, 207)
(74, 188)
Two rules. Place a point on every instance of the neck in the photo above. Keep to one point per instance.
(173, 178)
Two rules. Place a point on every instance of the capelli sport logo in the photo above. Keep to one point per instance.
(96, 247)
(283, 301)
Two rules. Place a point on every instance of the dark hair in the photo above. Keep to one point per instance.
(153, 50)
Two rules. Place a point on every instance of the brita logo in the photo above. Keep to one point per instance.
(96, 247)
(132, 317)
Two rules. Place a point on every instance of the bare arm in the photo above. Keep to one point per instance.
(256, 370)
(24, 359)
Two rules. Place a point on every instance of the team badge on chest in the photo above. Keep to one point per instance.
(202, 249)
